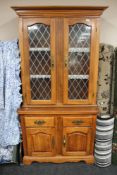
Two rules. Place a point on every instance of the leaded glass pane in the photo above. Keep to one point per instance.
(40, 61)
(78, 61)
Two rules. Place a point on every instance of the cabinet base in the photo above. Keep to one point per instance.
(27, 160)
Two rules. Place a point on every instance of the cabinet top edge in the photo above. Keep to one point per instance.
(20, 8)
(59, 11)
(89, 109)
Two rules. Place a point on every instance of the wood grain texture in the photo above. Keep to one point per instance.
(26, 58)
(60, 110)
(39, 121)
(59, 11)
(58, 130)
(27, 160)
(59, 8)
(41, 141)
(77, 120)
(24, 135)
(77, 141)
(92, 66)
(21, 46)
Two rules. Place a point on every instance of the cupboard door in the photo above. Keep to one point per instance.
(80, 61)
(41, 141)
(77, 140)
(39, 61)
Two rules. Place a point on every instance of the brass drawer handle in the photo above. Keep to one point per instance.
(39, 122)
(52, 62)
(77, 122)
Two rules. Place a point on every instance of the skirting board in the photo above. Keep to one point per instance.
(27, 160)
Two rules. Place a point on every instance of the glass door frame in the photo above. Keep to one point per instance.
(26, 60)
(93, 70)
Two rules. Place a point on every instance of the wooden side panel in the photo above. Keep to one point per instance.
(23, 134)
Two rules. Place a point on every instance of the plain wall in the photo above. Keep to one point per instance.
(9, 20)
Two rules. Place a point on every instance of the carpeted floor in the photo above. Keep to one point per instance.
(57, 169)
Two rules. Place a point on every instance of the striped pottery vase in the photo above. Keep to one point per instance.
(103, 144)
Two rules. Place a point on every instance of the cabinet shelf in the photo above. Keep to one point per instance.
(70, 76)
(40, 76)
(73, 49)
(78, 76)
(34, 49)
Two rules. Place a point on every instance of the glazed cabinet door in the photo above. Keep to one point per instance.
(38, 61)
(41, 141)
(77, 141)
(80, 61)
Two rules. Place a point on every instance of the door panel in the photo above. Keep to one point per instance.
(39, 53)
(41, 141)
(76, 140)
(78, 56)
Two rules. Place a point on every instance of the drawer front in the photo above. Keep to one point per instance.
(39, 121)
(77, 121)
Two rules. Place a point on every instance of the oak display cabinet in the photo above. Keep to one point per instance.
(59, 69)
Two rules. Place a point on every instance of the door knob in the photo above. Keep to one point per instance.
(66, 62)
(64, 141)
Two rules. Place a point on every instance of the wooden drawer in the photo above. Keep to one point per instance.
(39, 121)
(77, 121)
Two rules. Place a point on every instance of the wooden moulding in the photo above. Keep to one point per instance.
(58, 110)
(27, 160)
(59, 10)
(16, 8)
